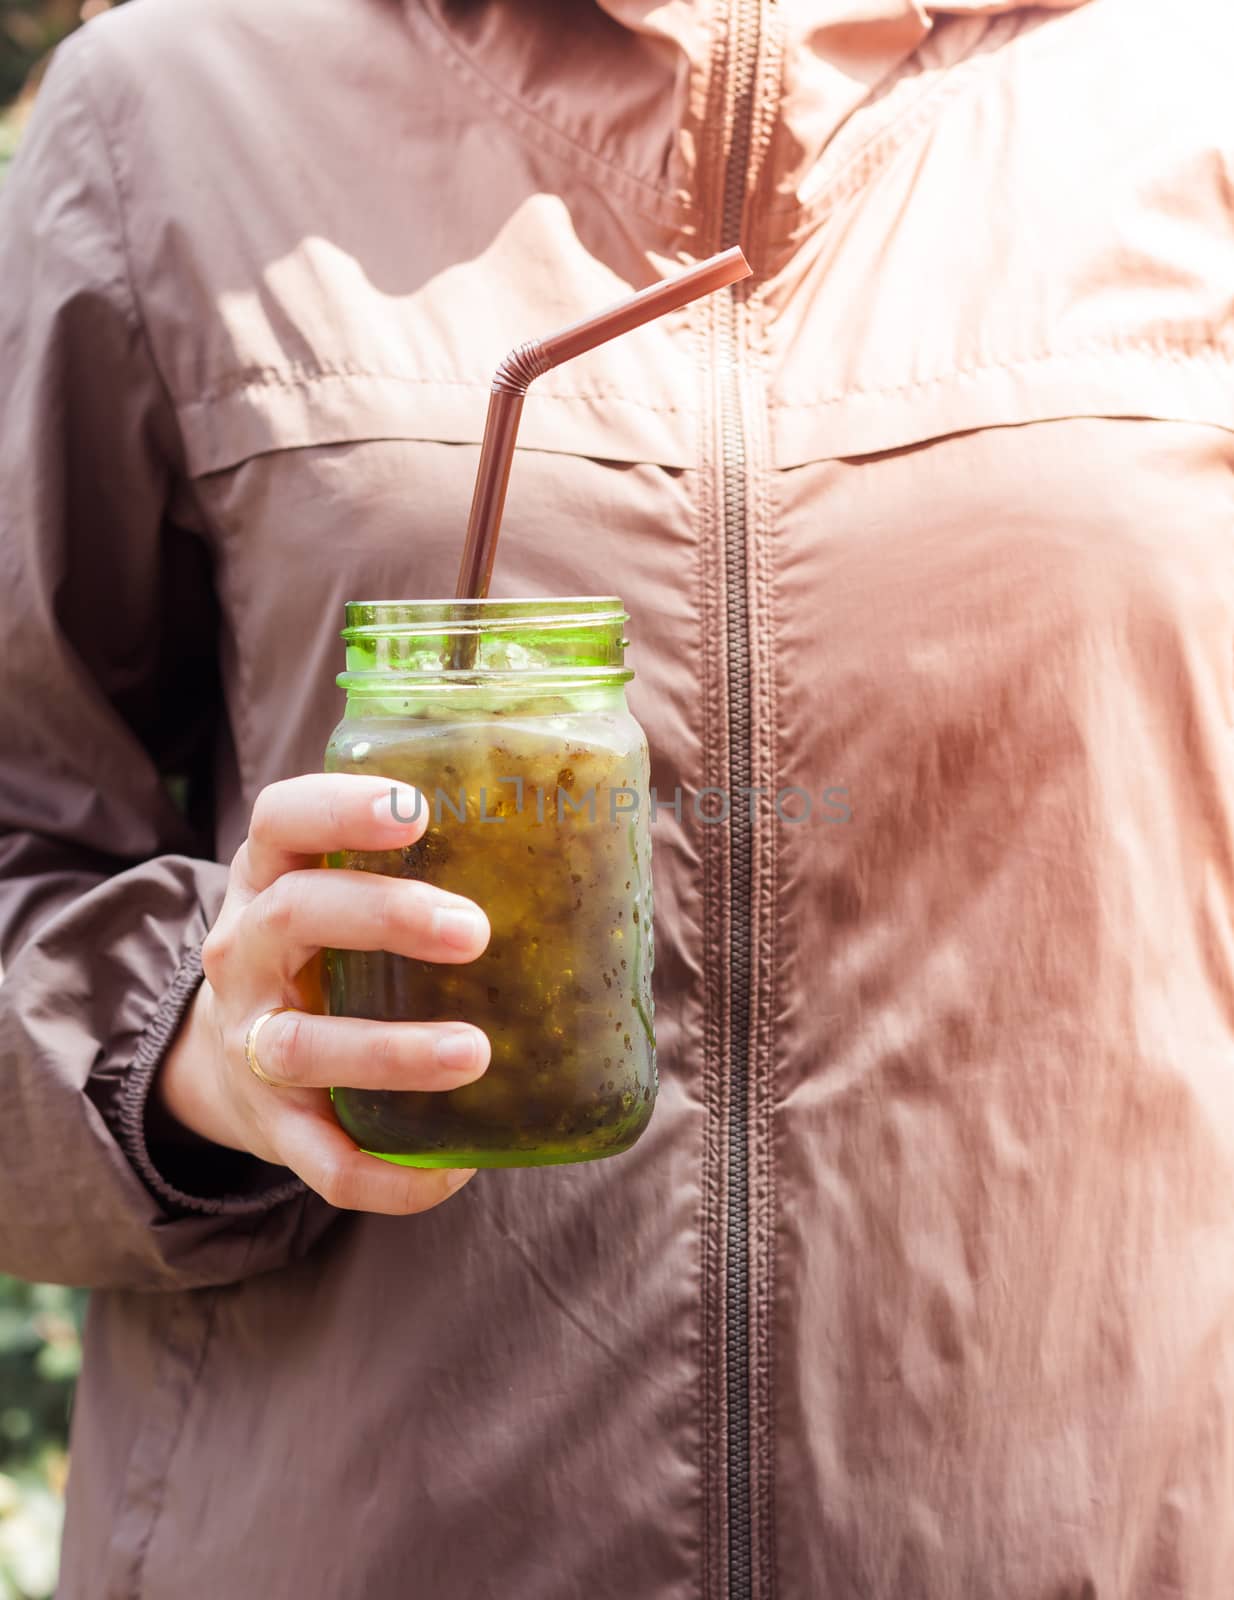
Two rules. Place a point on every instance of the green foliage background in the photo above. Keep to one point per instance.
(29, 31)
(40, 1353)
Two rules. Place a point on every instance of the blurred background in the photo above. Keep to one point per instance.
(40, 1351)
(40, 1324)
(29, 31)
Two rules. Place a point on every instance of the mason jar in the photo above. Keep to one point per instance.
(510, 719)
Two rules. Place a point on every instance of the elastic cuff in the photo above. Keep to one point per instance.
(214, 1180)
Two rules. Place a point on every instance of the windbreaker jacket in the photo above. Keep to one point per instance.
(920, 1286)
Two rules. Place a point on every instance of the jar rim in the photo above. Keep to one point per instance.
(537, 639)
(544, 681)
(367, 617)
(500, 600)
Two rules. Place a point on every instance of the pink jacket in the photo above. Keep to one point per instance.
(920, 1285)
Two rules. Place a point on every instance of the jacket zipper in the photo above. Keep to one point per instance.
(743, 64)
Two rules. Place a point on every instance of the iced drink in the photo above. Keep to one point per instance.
(537, 809)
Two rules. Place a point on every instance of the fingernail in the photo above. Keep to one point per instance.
(399, 806)
(457, 1177)
(457, 1051)
(459, 928)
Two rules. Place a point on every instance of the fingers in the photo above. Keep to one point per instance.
(310, 1052)
(297, 821)
(317, 1150)
(282, 908)
(305, 911)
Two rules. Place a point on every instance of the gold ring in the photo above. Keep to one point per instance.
(250, 1045)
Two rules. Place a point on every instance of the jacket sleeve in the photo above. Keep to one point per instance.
(108, 684)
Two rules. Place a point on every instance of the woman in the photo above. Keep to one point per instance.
(922, 1280)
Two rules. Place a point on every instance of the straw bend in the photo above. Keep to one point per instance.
(531, 360)
(525, 362)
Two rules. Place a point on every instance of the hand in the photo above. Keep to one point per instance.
(282, 907)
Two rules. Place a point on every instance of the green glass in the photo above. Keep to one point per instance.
(510, 718)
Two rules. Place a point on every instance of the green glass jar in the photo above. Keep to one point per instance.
(510, 718)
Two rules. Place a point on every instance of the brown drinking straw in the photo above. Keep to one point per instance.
(528, 361)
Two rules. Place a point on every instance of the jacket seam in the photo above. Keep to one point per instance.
(302, 377)
(142, 1552)
(85, 42)
(874, 150)
(870, 157)
(764, 857)
(665, 207)
(713, 918)
(873, 153)
(1176, 351)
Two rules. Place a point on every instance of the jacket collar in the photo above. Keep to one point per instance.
(630, 86)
